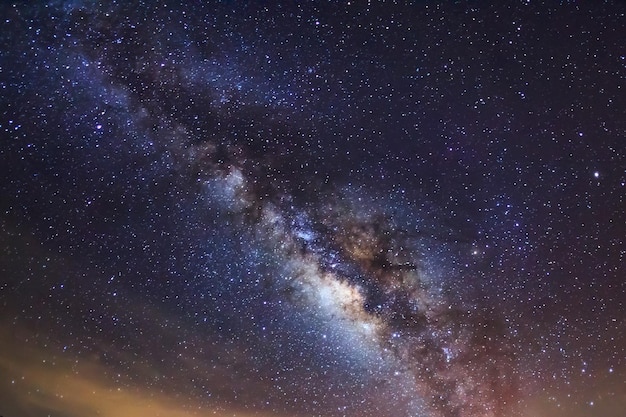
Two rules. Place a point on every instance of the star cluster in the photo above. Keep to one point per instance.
(316, 209)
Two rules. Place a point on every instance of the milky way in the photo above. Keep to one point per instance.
(312, 210)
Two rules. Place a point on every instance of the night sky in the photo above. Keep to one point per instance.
(359, 209)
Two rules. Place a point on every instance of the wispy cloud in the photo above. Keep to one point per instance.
(34, 383)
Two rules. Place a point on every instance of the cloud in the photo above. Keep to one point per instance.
(36, 383)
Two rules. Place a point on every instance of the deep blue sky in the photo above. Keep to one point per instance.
(321, 209)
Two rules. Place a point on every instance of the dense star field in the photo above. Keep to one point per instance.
(328, 209)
